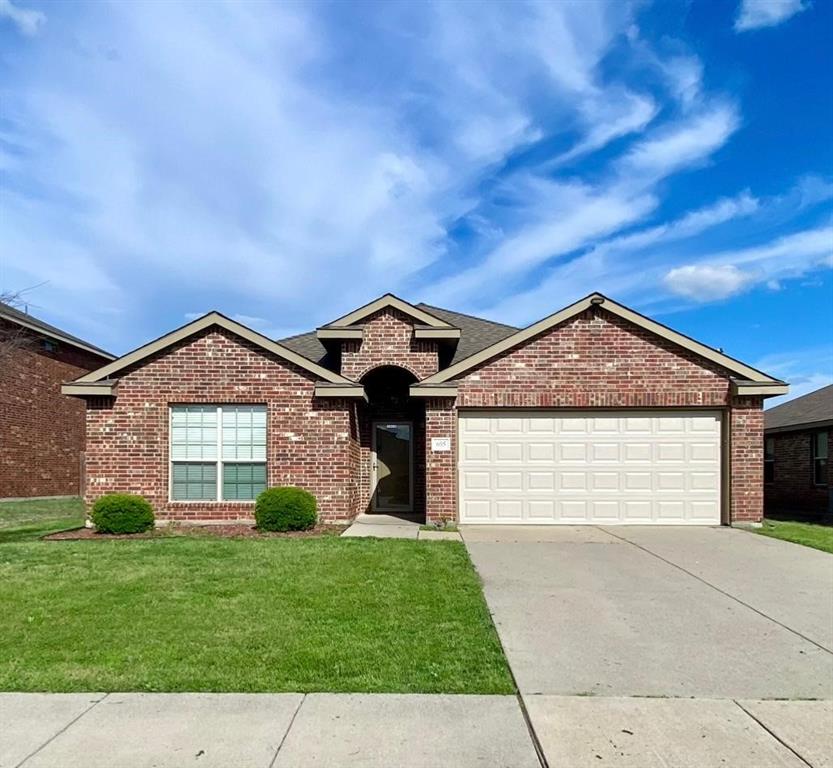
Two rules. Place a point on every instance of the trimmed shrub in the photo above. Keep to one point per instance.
(122, 513)
(285, 509)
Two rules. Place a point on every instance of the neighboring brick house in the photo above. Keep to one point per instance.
(41, 430)
(798, 474)
(595, 414)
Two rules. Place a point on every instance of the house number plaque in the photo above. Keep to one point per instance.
(440, 443)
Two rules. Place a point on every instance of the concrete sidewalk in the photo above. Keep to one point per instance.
(169, 730)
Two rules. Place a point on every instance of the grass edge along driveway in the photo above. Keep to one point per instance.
(191, 614)
(808, 534)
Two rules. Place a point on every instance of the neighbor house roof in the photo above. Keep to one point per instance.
(811, 410)
(25, 320)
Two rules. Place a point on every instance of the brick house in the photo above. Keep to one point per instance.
(798, 441)
(41, 430)
(595, 414)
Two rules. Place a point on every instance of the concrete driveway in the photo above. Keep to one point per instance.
(711, 612)
(664, 646)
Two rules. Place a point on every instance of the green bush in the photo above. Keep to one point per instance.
(285, 509)
(122, 513)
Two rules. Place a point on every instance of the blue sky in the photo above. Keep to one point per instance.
(284, 163)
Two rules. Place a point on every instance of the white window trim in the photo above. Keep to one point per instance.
(219, 461)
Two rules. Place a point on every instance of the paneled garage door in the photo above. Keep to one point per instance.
(599, 467)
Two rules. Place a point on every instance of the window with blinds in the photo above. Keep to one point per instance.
(218, 452)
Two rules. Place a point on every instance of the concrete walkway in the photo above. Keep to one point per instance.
(392, 527)
(169, 730)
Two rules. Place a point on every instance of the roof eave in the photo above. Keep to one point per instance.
(762, 388)
(92, 389)
(802, 427)
(57, 336)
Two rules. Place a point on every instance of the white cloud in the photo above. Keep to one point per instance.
(688, 142)
(755, 14)
(609, 118)
(726, 273)
(706, 282)
(565, 218)
(27, 21)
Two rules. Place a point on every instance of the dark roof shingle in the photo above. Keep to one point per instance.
(808, 409)
(475, 334)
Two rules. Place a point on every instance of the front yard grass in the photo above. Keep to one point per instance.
(808, 534)
(198, 614)
(32, 518)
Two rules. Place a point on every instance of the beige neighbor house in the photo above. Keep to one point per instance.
(595, 414)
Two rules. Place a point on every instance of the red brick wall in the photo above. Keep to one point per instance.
(388, 340)
(440, 466)
(746, 474)
(793, 489)
(311, 442)
(598, 360)
(41, 430)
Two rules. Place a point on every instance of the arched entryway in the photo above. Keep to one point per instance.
(392, 428)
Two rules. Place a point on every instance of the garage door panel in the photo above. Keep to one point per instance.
(572, 452)
(544, 452)
(603, 467)
(512, 452)
(508, 481)
(474, 452)
(541, 481)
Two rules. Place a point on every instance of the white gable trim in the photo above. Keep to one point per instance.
(388, 300)
(707, 353)
(200, 324)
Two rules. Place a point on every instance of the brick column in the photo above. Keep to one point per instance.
(746, 420)
(440, 466)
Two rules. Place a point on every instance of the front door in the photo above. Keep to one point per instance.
(392, 466)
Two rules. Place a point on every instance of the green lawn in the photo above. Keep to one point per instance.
(808, 534)
(25, 520)
(200, 614)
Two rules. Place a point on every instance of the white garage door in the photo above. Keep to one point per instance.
(597, 467)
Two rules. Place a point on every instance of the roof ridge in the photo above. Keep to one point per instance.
(466, 314)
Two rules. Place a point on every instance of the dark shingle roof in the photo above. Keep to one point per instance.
(22, 318)
(308, 345)
(811, 408)
(475, 334)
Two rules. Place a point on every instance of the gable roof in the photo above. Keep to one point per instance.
(748, 376)
(812, 409)
(388, 300)
(107, 372)
(476, 333)
(26, 320)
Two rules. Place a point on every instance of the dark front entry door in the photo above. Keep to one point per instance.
(392, 466)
